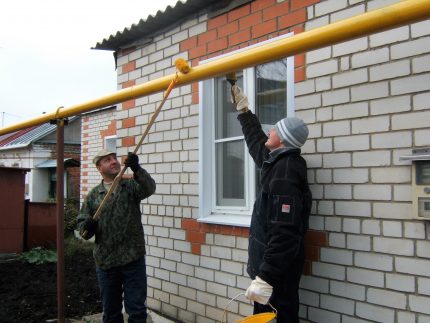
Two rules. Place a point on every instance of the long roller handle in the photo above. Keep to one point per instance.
(183, 67)
(121, 173)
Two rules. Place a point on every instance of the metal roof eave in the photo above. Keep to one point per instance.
(153, 25)
(52, 163)
(33, 135)
(14, 146)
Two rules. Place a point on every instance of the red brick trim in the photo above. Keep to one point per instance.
(276, 11)
(130, 104)
(128, 84)
(239, 12)
(128, 50)
(129, 67)
(259, 5)
(109, 131)
(313, 242)
(297, 4)
(189, 43)
(129, 122)
(217, 21)
(196, 232)
(247, 25)
(128, 142)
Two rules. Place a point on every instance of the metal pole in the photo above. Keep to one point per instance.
(399, 14)
(60, 220)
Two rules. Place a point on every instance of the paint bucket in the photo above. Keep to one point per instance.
(259, 318)
(268, 317)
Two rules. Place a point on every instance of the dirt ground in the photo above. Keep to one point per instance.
(28, 292)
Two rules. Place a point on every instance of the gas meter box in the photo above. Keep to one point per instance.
(420, 182)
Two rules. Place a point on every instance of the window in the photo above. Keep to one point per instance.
(110, 143)
(229, 149)
(52, 183)
(228, 176)
(271, 92)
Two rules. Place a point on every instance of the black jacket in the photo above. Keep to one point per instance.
(281, 210)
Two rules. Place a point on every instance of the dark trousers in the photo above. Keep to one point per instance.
(285, 299)
(129, 279)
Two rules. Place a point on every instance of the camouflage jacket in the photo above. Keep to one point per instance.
(119, 238)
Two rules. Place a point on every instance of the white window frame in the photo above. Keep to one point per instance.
(105, 140)
(208, 212)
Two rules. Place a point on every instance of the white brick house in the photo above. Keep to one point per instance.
(366, 103)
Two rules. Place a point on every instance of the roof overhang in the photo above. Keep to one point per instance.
(52, 163)
(145, 30)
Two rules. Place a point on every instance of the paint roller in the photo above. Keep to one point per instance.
(231, 78)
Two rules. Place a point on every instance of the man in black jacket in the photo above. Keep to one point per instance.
(281, 211)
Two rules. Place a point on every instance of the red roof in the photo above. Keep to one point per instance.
(5, 139)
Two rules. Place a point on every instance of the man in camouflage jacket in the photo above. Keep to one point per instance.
(119, 250)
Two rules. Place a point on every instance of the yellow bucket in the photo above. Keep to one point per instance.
(258, 318)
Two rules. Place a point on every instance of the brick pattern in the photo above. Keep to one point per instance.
(188, 262)
(366, 104)
(315, 240)
(95, 127)
(246, 25)
(196, 232)
(196, 236)
(180, 248)
(358, 100)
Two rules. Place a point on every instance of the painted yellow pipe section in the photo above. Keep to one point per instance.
(399, 14)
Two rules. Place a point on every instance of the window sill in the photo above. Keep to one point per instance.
(227, 219)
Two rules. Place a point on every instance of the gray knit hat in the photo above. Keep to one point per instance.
(293, 132)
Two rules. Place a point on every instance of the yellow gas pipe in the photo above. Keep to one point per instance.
(399, 14)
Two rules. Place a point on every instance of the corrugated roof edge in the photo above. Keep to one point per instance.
(153, 25)
(25, 137)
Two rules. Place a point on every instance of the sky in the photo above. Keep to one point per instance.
(46, 60)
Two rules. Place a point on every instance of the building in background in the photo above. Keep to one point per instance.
(366, 102)
(98, 132)
(35, 148)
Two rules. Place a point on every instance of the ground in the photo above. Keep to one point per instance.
(28, 292)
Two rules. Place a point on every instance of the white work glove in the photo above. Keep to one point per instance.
(238, 97)
(259, 291)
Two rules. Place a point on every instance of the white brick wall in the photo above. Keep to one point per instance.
(374, 105)
(366, 102)
(90, 131)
